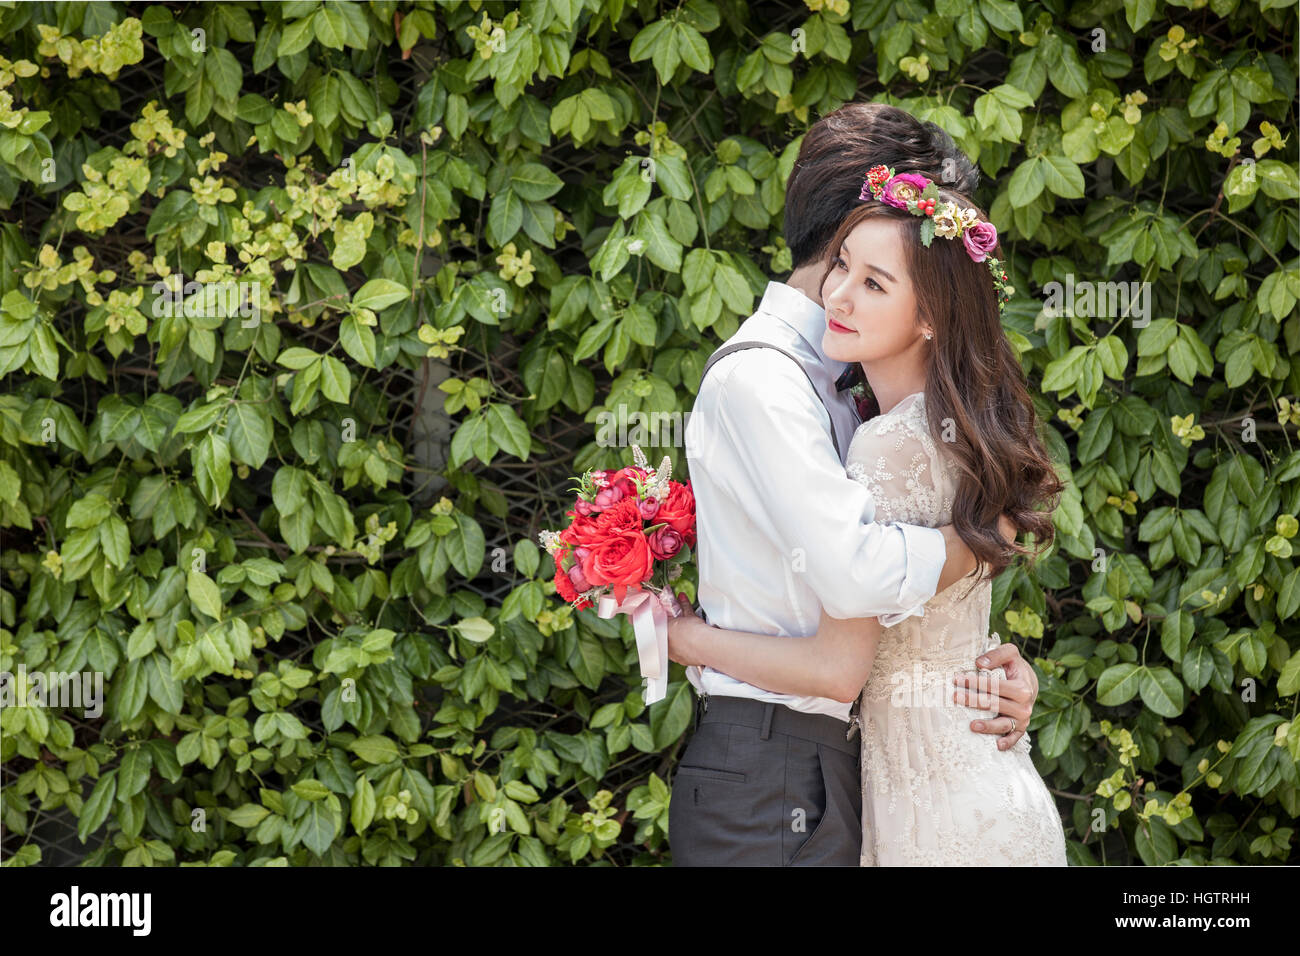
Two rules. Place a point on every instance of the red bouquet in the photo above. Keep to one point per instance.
(629, 533)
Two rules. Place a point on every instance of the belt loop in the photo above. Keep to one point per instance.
(768, 711)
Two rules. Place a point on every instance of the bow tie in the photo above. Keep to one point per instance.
(845, 380)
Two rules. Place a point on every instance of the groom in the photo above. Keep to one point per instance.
(772, 779)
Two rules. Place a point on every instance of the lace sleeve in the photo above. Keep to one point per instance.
(897, 460)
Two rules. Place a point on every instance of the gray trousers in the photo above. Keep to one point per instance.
(762, 785)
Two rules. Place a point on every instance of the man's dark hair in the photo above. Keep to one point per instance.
(834, 158)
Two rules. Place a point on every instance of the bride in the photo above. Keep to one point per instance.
(913, 294)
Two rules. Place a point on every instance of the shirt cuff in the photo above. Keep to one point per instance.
(926, 554)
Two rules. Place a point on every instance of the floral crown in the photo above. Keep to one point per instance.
(920, 197)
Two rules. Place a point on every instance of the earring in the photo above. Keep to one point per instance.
(928, 336)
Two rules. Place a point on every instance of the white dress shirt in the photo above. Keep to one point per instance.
(783, 531)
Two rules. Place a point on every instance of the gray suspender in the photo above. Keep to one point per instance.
(737, 346)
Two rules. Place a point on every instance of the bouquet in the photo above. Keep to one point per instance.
(630, 532)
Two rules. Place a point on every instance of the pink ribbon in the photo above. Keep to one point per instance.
(650, 624)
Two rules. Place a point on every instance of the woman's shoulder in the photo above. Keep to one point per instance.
(898, 435)
(907, 416)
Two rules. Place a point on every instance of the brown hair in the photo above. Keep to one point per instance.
(975, 381)
(835, 155)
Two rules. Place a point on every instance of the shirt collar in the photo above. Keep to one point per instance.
(804, 316)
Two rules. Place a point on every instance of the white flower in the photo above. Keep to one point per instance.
(549, 540)
(945, 221)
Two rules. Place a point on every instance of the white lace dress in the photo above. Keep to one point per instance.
(934, 793)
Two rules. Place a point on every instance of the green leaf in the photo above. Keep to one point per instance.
(330, 26)
(1026, 182)
(363, 805)
(508, 431)
(670, 717)
(204, 593)
(297, 37)
(375, 749)
(248, 815)
(1062, 176)
(1055, 733)
(475, 629)
(1198, 666)
(1288, 681)
(1118, 684)
(472, 439)
(505, 217)
(295, 358)
(527, 557)
(311, 790)
(377, 295)
(1002, 15)
(534, 182)
(211, 460)
(316, 829)
(335, 380)
(44, 352)
(97, 806)
(466, 545)
(358, 341)
(89, 512)
(224, 72)
(248, 429)
(1277, 179)
(1288, 595)
(1162, 691)
(1139, 13)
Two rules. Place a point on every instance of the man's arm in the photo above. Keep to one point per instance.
(769, 446)
(835, 662)
(960, 559)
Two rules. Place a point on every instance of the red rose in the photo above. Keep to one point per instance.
(583, 531)
(564, 587)
(622, 558)
(623, 516)
(664, 543)
(678, 511)
(626, 479)
(631, 471)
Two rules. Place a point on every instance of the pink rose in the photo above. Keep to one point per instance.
(665, 543)
(980, 239)
(585, 508)
(903, 188)
(579, 581)
(648, 508)
(610, 495)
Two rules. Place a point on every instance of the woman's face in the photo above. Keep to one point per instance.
(870, 305)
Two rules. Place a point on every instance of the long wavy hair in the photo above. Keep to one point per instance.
(974, 380)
